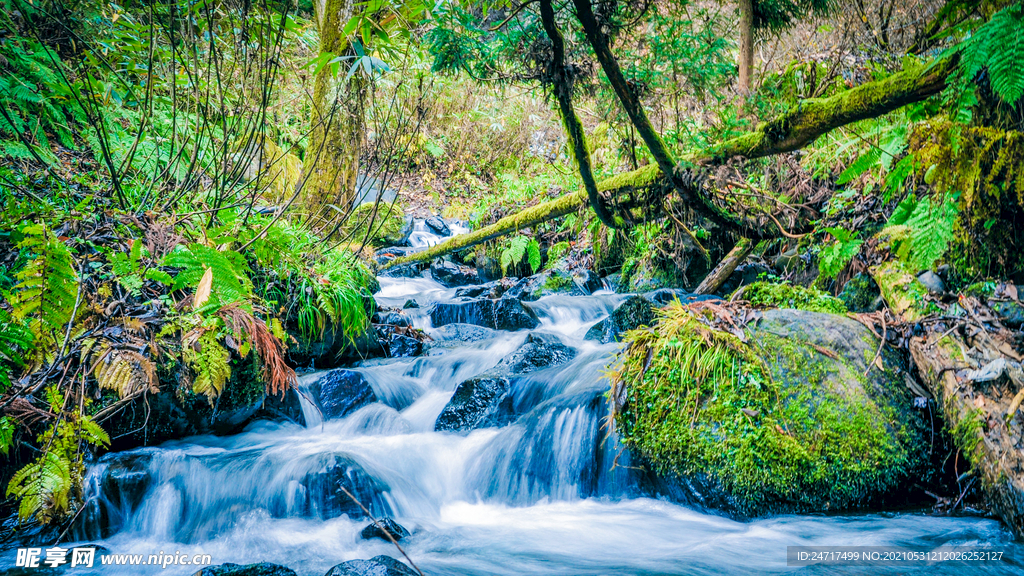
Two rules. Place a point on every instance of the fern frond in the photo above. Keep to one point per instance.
(125, 371)
(47, 286)
(43, 486)
(209, 361)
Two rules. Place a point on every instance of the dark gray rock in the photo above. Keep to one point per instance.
(326, 499)
(282, 408)
(438, 226)
(341, 392)
(556, 281)
(261, 569)
(392, 318)
(743, 275)
(376, 566)
(451, 275)
(388, 254)
(126, 479)
(477, 401)
(491, 290)
(861, 294)
(1010, 313)
(537, 352)
(932, 282)
(463, 333)
(500, 314)
(636, 311)
(612, 281)
(383, 525)
(402, 346)
(410, 304)
(664, 296)
(334, 348)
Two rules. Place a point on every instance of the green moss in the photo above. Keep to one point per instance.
(385, 227)
(966, 433)
(790, 296)
(556, 252)
(557, 281)
(639, 178)
(763, 421)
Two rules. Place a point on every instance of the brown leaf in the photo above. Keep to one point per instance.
(204, 288)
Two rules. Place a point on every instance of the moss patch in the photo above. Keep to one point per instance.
(776, 424)
(790, 296)
(385, 227)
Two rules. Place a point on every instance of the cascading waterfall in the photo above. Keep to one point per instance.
(548, 493)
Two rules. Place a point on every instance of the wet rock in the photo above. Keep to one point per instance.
(386, 255)
(537, 352)
(476, 401)
(612, 281)
(500, 314)
(490, 290)
(410, 304)
(664, 296)
(341, 392)
(557, 281)
(126, 479)
(392, 319)
(376, 566)
(463, 333)
(261, 569)
(282, 408)
(743, 275)
(396, 530)
(325, 490)
(932, 282)
(438, 226)
(636, 311)
(1010, 313)
(402, 346)
(334, 348)
(861, 294)
(450, 275)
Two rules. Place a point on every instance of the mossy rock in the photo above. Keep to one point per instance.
(387, 227)
(861, 294)
(793, 420)
(769, 294)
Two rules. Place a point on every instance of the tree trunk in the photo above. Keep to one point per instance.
(336, 141)
(726, 267)
(789, 132)
(746, 57)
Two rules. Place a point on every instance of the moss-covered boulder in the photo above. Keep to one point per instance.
(799, 417)
(380, 225)
(769, 294)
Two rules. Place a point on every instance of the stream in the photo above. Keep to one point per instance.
(539, 495)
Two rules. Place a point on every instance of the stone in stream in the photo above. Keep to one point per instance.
(410, 304)
(341, 392)
(261, 569)
(391, 318)
(282, 408)
(463, 333)
(500, 314)
(376, 566)
(325, 490)
(484, 400)
(438, 226)
(492, 290)
(402, 346)
(383, 525)
(450, 275)
(556, 281)
(636, 311)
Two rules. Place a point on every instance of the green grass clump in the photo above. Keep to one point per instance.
(790, 296)
(762, 421)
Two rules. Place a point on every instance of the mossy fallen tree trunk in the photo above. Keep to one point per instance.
(726, 267)
(976, 413)
(644, 188)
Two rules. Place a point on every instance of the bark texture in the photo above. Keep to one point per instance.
(746, 56)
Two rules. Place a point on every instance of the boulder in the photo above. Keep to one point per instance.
(438, 226)
(463, 333)
(636, 311)
(376, 566)
(341, 392)
(477, 402)
(282, 408)
(261, 569)
(932, 282)
(861, 294)
(391, 318)
(501, 314)
(396, 530)
(402, 346)
(451, 275)
(492, 290)
(555, 281)
(537, 352)
(334, 348)
(325, 497)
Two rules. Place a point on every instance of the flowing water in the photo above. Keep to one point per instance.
(538, 496)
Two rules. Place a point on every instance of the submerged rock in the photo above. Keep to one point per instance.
(451, 275)
(282, 408)
(636, 311)
(556, 281)
(396, 530)
(463, 333)
(341, 392)
(438, 226)
(326, 498)
(797, 419)
(500, 314)
(402, 346)
(537, 352)
(261, 569)
(376, 566)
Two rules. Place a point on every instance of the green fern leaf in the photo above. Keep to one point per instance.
(47, 286)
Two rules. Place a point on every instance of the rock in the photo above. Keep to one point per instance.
(325, 498)
(451, 275)
(861, 294)
(1010, 313)
(404, 271)
(341, 392)
(410, 304)
(383, 525)
(126, 479)
(556, 281)
(537, 352)
(663, 296)
(278, 408)
(932, 282)
(501, 314)
(491, 290)
(333, 348)
(438, 226)
(743, 275)
(376, 566)
(261, 569)
(463, 333)
(477, 401)
(788, 260)
(612, 281)
(402, 346)
(392, 319)
(636, 311)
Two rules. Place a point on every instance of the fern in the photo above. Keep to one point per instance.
(920, 231)
(834, 257)
(15, 342)
(209, 361)
(519, 248)
(126, 268)
(6, 434)
(47, 286)
(231, 282)
(125, 371)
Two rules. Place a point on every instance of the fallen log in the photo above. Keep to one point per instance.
(726, 267)
(642, 189)
(980, 416)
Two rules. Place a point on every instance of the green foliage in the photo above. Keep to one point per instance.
(921, 231)
(791, 296)
(834, 257)
(231, 283)
(15, 343)
(210, 364)
(996, 46)
(127, 270)
(518, 249)
(773, 16)
(7, 426)
(557, 251)
(47, 286)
